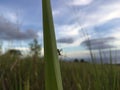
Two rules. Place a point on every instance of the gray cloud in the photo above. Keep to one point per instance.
(67, 40)
(101, 43)
(10, 31)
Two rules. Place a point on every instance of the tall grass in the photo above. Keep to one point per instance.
(75, 75)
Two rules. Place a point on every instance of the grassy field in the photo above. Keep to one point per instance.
(28, 74)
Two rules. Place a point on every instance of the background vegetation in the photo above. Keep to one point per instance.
(20, 74)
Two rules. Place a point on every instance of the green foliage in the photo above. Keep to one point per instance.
(53, 79)
(20, 75)
(13, 53)
(35, 48)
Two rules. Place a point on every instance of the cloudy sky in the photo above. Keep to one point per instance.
(75, 21)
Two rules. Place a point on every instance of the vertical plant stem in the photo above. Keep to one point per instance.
(53, 79)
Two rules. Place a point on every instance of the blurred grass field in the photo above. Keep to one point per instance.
(25, 74)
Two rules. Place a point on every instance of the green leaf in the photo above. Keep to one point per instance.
(53, 79)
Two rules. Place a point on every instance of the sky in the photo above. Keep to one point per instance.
(74, 20)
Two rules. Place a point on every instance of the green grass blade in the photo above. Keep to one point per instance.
(53, 79)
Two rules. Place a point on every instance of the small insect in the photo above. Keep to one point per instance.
(59, 52)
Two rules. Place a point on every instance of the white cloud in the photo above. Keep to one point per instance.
(79, 2)
(40, 34)
(101, 14)
(115, 32)
(67, 30)
(56, 12)
(71, 31)
(22, 48)
(78, 54)
(11, 17)
(109, 12)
